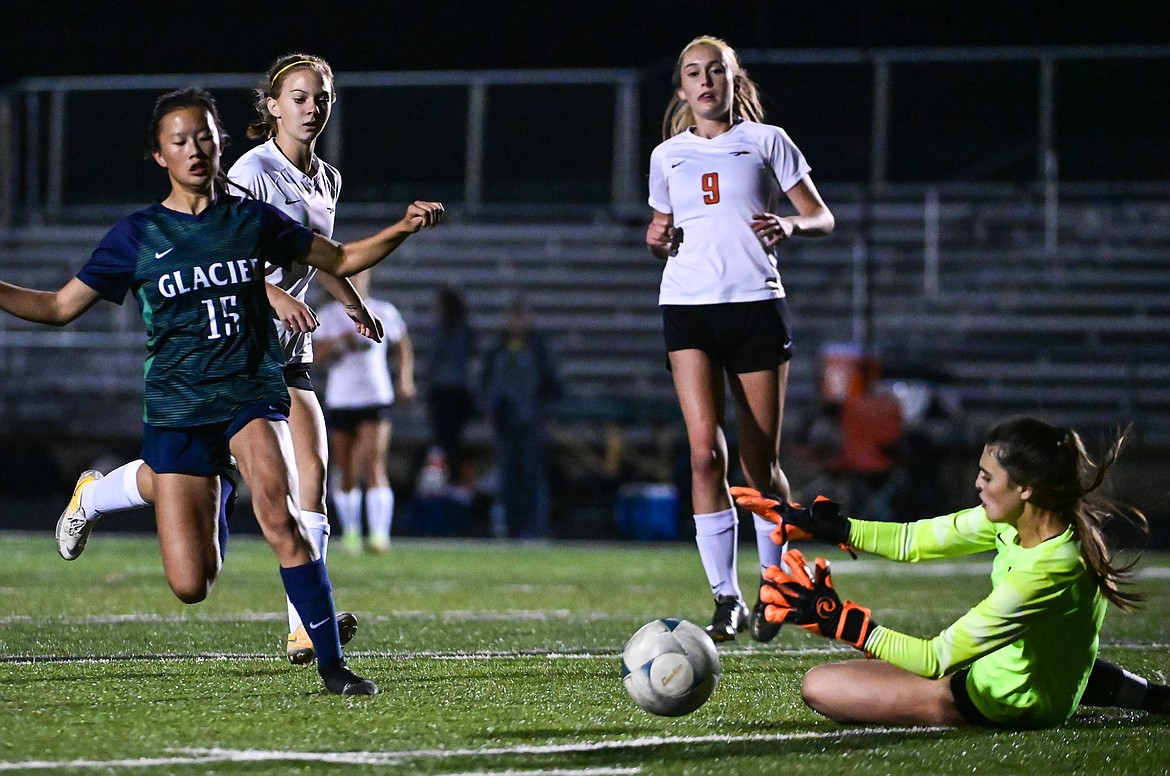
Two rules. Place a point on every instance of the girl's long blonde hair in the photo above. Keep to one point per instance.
(745, 100)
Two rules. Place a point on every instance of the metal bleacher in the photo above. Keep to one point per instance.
(1078, 334)
(1022, 292)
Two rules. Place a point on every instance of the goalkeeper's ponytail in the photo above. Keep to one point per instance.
(1064, 480)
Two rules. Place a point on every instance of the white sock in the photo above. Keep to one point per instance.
(116, 492)
(1132, 691)
(717, 534)
(317, 527)
(349, 510)
(380, 512)
(770, 552)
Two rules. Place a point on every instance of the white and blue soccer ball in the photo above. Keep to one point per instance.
(670, 667)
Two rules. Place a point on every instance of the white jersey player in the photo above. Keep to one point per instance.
(358, 395)
(708, 186)
(308, 197)
(360, 377)
(715, 184)
(293, 105)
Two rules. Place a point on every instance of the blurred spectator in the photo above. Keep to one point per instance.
(934, 434)
(871, 428)
(854, 439)
(520, 383)
(450, 402)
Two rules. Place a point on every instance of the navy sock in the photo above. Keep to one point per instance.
(311, 593)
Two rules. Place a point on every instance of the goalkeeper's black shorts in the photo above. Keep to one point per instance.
(966, 708)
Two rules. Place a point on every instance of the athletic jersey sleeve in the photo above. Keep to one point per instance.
(333, 175)
(947, 536)
(788, 163)
(248, 174)
(659, 193)
(283, 239)
(1021, 598)
(110, 269)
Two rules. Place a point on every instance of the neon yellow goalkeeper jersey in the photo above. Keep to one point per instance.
(1030, 644)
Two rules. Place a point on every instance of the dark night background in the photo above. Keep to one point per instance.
(58, 37)
(949, 122)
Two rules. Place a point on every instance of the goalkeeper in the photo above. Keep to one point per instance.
(1026, 655)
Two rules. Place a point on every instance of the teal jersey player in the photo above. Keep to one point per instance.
(213, 368)
(211, 343)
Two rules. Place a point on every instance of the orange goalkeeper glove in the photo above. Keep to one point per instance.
(811, 602)
(822, 520)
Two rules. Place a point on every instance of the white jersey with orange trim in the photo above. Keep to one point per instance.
(310, 199)
(360, 377)
(712, 187)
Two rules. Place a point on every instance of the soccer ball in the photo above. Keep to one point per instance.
(670, 667)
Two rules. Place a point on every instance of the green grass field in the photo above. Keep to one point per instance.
(492, 658)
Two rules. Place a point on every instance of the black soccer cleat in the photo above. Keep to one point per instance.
(730, 618)
(759, 627)
(1157, 699)
(342, 681)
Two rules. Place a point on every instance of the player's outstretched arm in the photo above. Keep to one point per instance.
(805, 597)
(56, 308)
(343, 260)
(366, 323)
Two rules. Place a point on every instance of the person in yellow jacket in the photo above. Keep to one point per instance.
(1023, 657)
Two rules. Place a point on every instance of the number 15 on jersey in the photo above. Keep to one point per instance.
(224, 321)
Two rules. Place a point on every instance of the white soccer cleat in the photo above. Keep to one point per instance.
(72, 527)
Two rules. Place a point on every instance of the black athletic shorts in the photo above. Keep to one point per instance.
(966, 708)
(349, 418)
(299, 376)
(740, 336)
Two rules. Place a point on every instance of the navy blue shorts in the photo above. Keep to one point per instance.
(741, 337)
(201, 450)
(299, 376)
(349, 418)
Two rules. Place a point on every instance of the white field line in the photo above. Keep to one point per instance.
(203, 756)
(863, 568)
(519, 654)
(452, 615)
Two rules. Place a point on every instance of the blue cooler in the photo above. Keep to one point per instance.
(647, 511)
